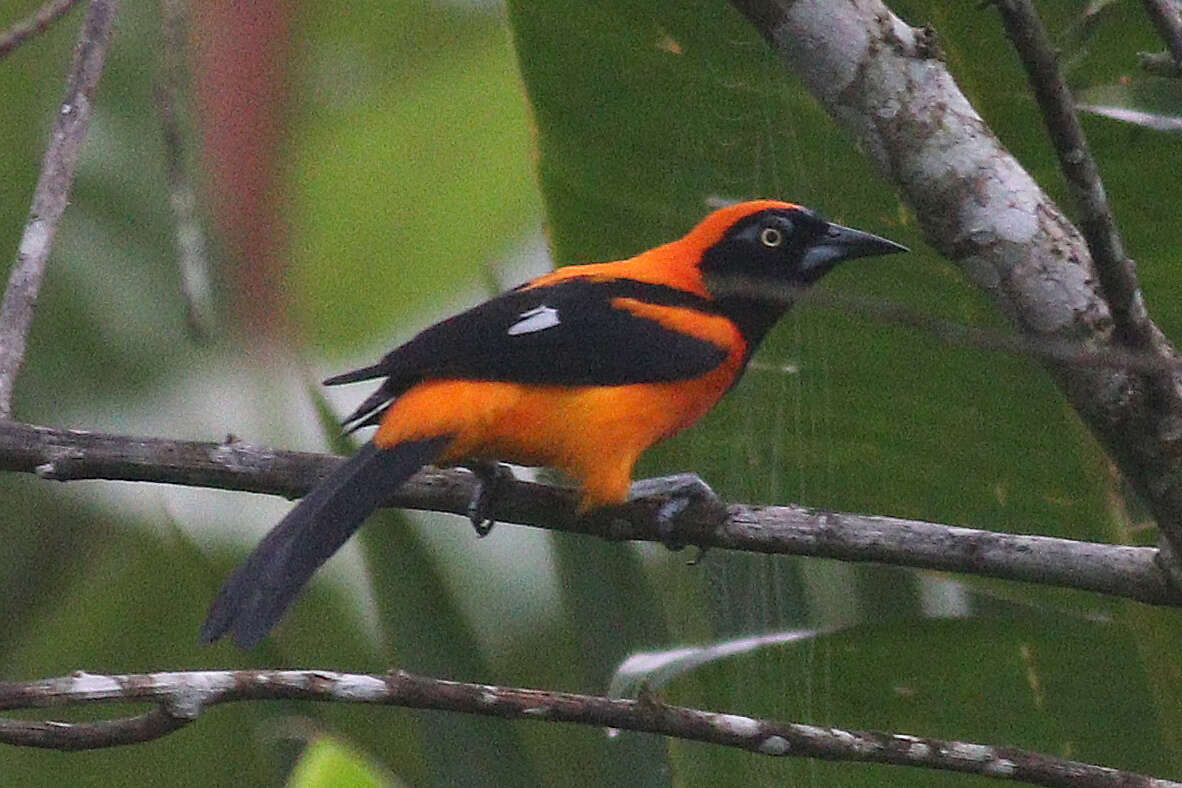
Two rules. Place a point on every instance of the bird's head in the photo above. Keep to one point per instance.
(768, 250)
(754, 258)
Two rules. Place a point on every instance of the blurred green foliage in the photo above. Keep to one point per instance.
(330, 763)
(422, 140)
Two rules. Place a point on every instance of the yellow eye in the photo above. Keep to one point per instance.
(771, 237)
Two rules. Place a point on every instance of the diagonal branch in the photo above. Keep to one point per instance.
(52, 193)
(1129, 572)
(1160, 63)
(35, 24)
(1118, 275)
(885, 84)
(182, 696)
(188, 233)
(1168, 20)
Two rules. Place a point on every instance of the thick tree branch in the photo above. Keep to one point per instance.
(883, 81)
(52, 193)
(34, 24)
(183, 696)
(1129, 572)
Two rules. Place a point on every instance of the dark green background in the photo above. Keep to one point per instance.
(425, 148)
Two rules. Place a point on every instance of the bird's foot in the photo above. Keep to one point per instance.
(490, 479)
(674, 495)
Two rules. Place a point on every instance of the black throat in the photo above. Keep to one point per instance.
(753, 316)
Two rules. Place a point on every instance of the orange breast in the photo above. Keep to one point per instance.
(593, 433)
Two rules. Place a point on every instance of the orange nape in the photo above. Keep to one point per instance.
(674, 264)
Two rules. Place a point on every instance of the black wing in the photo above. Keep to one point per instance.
(566, 334)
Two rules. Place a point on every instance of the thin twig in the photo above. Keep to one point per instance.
(55, 735)
(955, 334)
(1128, 572)
(1168, 21)
(188, 233)
(52, 193)
(1118, 274)
(182, 696)
(1161, 64)
(34, 24)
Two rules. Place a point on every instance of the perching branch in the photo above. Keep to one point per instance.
(34, 24)
(52, 193)
(1129, 572)
(183, 696)
(885, 84)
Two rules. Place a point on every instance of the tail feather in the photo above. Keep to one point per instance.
(370, 411)
(258, 592)
(365, 373)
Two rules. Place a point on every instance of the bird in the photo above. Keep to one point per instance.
(580, 370)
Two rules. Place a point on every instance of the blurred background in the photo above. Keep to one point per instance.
(364, 169)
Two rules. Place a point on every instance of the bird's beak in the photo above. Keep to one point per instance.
(844, 243)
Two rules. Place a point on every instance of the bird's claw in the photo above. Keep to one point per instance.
(675, 494)
(490, 477)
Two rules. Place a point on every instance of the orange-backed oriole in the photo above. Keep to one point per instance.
(580, 370)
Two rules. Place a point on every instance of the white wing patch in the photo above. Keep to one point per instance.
(537, 319)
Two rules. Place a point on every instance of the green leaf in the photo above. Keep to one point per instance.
(330, 763)
(401, 198)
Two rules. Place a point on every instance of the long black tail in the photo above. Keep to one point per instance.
(260, 590)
